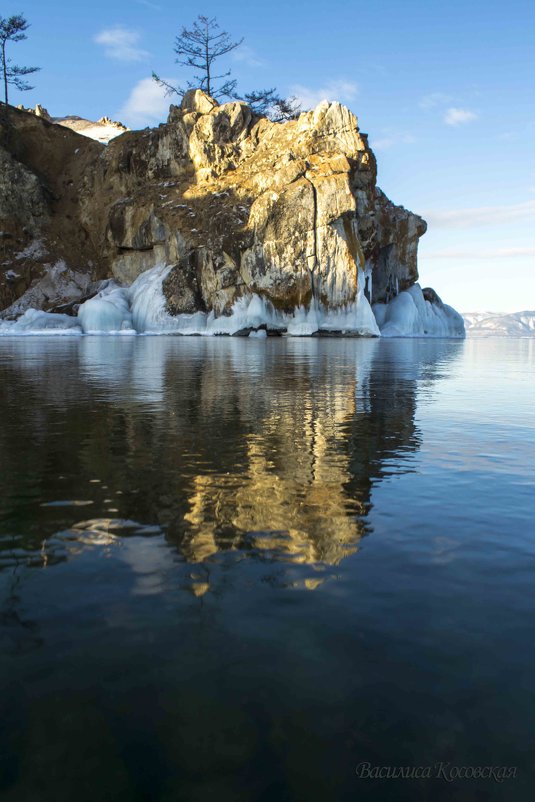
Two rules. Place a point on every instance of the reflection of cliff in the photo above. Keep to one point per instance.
(271, 447)
(304, 485)
(297, 508)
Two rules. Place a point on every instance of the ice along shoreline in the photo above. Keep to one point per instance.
(141, 309)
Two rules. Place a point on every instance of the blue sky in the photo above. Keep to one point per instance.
(446, 92)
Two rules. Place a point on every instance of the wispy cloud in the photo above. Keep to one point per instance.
(480, 216)
(497, 253)
(455, 116)
(121, 44)
(341, 90)
(146, 104)
(508, 136)
(391, 141)
(521, 130)
(148, 4)
(247, 55)
(435, 100)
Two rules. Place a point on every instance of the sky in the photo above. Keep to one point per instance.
(446, 92)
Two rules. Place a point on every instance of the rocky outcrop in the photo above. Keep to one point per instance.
(103, 130)
(38, 110)
(237, 205)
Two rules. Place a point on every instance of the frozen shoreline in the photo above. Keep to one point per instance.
(141, 310)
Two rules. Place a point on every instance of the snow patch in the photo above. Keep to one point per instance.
(495, 324)
(58, 285)
(35, 250)
(104, 130)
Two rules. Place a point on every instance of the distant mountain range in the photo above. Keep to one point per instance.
(489, 324)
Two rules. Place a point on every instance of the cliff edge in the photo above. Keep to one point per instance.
(227, 211)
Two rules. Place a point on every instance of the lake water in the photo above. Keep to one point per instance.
(239, 569)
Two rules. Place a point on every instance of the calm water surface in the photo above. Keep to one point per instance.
(235, 569)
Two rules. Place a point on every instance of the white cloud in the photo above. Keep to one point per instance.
(455, 116)
(147, 104)
(148, 4)
(121, 44)
(343, 91)
(497, 253)
(247, 55)
(434, 99)
(480, 216)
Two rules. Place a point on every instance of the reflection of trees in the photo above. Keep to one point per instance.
(271, 446)
(17, 632)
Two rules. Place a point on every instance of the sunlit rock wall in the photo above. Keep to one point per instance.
(235, 204)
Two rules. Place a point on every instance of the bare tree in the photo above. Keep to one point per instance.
(199, 48)
(12, 29)
(286, 108)
(169, 88)
(267, 103)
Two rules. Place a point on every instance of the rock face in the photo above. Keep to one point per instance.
(237, 205)
(42, 238)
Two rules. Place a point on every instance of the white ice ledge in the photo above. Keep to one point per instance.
(141, 309)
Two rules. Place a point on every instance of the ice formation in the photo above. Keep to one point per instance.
(109, 311)
(249, 313)
(410, 315)
(141, 308)
(34, 321)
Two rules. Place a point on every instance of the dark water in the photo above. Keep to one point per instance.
(236, 569)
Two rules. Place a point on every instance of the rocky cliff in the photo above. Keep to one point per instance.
(230, 207)
(102, 130)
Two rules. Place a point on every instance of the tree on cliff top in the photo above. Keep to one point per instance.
(269, 104)
(199, 48)
(12, 29)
